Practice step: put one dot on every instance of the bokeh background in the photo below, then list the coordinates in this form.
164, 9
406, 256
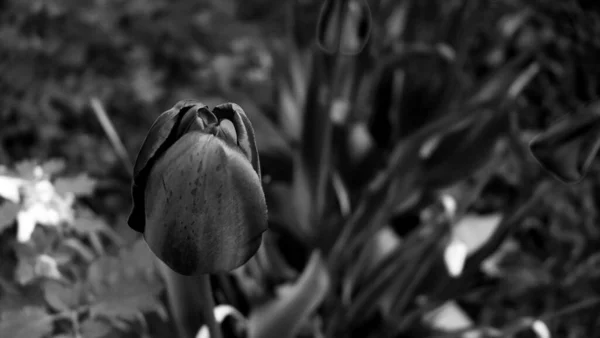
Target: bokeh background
378, 238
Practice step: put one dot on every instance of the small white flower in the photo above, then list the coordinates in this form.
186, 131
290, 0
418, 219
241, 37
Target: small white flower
26, 223
455, 256
540, 328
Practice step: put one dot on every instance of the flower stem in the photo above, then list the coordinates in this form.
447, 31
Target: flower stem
191, 302
208, 306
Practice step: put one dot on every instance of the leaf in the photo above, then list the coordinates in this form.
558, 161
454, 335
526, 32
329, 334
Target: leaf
96, 329
272, 260
344, 26
29, 170
89, 224
498, 83
269, 139
459, 151
312, 161
126, 286
568, 148
8, 214
282, 317
29, 322
80, 185
64, 297
54, 166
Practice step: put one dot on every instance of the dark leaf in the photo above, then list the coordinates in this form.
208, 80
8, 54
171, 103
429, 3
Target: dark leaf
498, 83
344, 26
458, 152
313, 160
568, 148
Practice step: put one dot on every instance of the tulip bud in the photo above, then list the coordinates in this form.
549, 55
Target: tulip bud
197, 193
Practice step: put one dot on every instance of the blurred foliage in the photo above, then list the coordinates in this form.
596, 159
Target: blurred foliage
402, 197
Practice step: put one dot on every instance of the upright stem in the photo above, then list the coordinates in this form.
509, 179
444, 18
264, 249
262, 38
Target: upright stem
208, 306
191, 302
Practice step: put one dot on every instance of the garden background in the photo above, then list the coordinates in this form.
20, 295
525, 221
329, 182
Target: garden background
403, 198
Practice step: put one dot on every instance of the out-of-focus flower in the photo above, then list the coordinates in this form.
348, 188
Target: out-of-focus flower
41, 204
197, 192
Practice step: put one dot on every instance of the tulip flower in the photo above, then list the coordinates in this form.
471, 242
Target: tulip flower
197, 193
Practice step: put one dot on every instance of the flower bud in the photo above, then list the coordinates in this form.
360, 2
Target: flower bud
197, 191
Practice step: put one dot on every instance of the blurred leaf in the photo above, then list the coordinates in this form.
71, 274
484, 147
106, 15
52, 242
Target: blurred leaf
404, 85
459, 151
344, 26
272, 260
126, 286
384, 243
54, 166
64, 297
381, 287
313, 160
497, 84
568, 148
282, 317
269, 139
28, 322
80, 185
8, 214
97, 329
29, 170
